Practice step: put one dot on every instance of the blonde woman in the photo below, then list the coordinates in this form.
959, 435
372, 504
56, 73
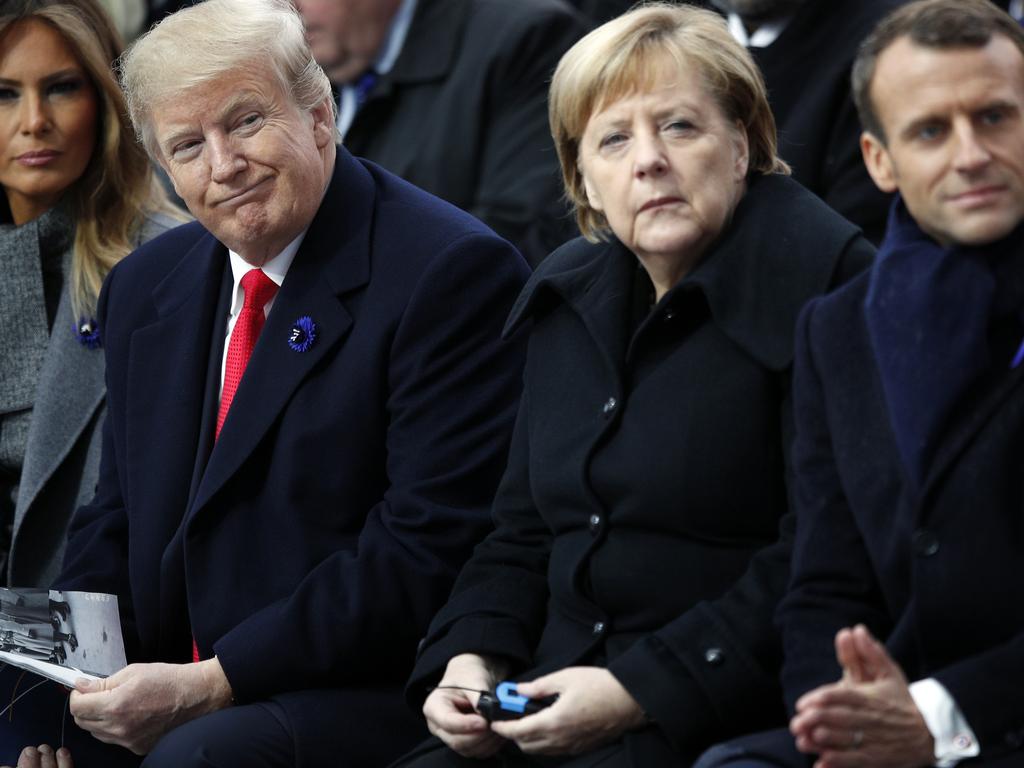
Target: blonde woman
637, 556
78, 194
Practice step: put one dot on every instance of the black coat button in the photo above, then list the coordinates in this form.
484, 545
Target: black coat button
609, 406
594, 523
598, 627
714, 656
926, 543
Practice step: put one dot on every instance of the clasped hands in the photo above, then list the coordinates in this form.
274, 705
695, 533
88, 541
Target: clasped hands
868, 718
592, 709
135, 707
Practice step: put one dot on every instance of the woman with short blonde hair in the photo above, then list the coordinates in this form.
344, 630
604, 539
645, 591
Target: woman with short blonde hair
627, 592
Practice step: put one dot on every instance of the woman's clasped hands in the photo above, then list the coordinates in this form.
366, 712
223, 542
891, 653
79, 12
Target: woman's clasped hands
592, 709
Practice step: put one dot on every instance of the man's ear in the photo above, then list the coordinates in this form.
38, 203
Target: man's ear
878, 162
323, 123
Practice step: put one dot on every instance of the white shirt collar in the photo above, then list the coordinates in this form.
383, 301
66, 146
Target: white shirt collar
276, 269
395, 39
765, 35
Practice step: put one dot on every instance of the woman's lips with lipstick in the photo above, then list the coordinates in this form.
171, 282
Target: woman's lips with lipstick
38, 157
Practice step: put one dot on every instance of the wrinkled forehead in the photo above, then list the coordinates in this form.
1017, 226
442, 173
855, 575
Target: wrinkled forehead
214, 101
648, 70
911, 78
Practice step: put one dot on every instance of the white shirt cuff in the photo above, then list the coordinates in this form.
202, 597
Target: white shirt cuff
954, 739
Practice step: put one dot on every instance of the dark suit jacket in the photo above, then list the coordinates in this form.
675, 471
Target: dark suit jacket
349, 481
463, 114
938, 574
647, 468
807, 71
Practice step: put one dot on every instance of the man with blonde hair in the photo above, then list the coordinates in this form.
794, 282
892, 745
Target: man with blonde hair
309, 407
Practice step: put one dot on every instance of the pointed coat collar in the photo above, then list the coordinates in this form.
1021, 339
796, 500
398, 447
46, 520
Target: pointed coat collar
441, 22
70, 391
781, 248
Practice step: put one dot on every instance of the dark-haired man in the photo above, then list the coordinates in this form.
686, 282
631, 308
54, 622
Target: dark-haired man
909, 403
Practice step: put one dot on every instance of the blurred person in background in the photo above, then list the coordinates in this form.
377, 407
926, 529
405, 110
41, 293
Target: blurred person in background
805, 49
451, 96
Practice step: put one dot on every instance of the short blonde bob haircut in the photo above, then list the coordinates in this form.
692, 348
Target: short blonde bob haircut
109, 201
625, 56
202, 43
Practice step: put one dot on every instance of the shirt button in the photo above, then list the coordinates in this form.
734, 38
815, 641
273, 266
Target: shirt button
609, 407
598, 627
714, 657
926, 543
962, 742
594, 523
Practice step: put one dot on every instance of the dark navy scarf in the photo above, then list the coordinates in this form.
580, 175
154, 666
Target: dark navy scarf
928, 310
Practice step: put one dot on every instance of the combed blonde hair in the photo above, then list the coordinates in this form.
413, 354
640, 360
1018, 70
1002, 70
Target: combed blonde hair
202, 43
118, 188
626, 55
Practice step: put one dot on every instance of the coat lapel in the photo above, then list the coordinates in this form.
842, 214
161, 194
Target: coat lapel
70, 391
334, 259
428, 55
166, 373
966, 428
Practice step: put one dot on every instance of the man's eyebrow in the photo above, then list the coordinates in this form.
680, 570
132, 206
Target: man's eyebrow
915, 125
242, 100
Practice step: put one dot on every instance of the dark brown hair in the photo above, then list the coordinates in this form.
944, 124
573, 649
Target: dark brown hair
932, 24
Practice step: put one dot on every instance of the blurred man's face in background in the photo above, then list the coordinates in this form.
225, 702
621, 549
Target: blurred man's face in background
346, 35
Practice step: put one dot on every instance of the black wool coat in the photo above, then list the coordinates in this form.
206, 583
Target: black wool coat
638, 520
936, 573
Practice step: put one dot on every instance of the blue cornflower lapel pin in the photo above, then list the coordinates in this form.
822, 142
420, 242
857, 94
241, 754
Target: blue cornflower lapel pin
303, 334
87, 332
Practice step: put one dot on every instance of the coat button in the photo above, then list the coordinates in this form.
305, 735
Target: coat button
594, 523
714, 656
598, 627
926, 543
609, 406
668, 315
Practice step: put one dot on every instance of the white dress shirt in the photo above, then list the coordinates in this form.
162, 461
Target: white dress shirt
954, 739
763, 36
276, 268
383, 64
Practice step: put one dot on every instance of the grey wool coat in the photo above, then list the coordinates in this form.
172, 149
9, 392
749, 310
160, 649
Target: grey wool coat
63, 451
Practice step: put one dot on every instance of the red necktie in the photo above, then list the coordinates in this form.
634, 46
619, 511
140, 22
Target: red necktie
259, 289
